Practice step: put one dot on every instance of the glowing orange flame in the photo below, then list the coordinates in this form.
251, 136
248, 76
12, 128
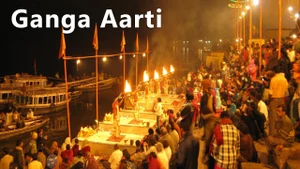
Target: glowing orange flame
146, 77
127, 87
164, 71
172, 69
156, 75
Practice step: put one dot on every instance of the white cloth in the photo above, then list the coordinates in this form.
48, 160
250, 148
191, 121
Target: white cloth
262, 107
67, 141
115, 159
5, 161
158, 109
291, 55
163, 160
168, 152
35, 164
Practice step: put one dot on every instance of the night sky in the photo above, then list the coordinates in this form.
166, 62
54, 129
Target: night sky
181, 20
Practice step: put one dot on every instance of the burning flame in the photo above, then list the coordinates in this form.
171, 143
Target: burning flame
172, 69
127, 87
156, 75
146, 77
164, 71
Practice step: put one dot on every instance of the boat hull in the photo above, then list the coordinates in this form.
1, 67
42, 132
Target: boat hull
41, 110
5, 135
102, 85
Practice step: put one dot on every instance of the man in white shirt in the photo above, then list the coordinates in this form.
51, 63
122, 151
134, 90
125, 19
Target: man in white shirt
115, 157
291, 53
6, 159
262, 107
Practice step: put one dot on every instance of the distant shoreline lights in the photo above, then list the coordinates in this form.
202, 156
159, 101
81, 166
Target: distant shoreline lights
20, 19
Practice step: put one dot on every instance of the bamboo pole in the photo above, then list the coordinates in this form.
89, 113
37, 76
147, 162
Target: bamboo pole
244, 30
250, 33
67, 96
97, 87
260, 35
279, 27
241, 31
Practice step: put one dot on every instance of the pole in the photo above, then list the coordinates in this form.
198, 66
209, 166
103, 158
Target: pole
124, 68
260, 36
136, 68
97, 87
279, 27
241, 31
250, 33
147, 53
67, 96
244, 30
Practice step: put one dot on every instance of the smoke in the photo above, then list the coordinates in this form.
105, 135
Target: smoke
188, 20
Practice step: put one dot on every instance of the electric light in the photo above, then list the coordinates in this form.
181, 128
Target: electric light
247, 7
243, 13
296, 15
255, 2
121, 57
144, 54
134, 56
294, 36
104, 59
290, 8
78, 61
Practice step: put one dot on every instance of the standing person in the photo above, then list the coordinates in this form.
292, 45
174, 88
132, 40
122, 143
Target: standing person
6, 159
225, 145
278, 88
189, 109
41, 140
188, 149
18, 155
159, 111
32, 161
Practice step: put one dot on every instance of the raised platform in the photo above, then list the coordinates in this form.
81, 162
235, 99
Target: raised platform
102, 142
129, 125
142, 114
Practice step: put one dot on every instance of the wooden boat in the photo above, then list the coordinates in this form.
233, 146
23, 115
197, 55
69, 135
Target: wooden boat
75, 94
19, 82
77, 82
42, 101
103, 85
30, 126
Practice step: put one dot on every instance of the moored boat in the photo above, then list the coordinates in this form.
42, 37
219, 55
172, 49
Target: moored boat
103, 85
42, 101
30, 126
77, 82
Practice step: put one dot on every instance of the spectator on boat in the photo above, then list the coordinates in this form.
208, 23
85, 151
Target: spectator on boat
32, 161
2, 116
33, 145
16, 115
6, 159
30, 114
18, 155
20, 122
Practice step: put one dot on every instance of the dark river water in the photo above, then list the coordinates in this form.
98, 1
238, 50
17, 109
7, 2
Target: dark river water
80, 116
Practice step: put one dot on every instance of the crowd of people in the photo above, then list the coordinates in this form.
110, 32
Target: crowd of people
236, 103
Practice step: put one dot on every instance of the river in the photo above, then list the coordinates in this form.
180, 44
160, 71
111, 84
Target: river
80, 116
